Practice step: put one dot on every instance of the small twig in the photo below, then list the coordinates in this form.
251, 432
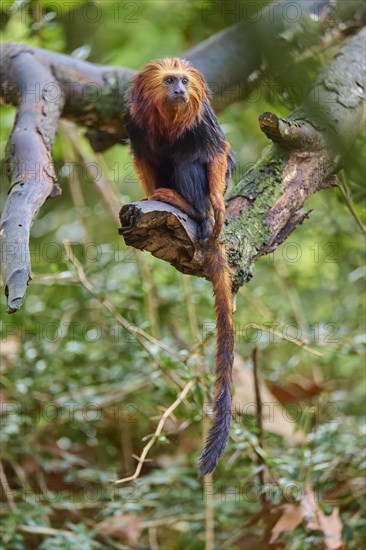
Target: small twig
297, 341
312, 444
258, 401
153, 538
140, 334
76, 192
102, 183
116, 545
209, 498
6, 487
150, 293
107, 393
265, 312
82, 279
349, 204
48, 531
191, 310
110, 197
292, 294
156, 434
256, 303
135, 331
209, 514
199, 345
253, 444
162, 522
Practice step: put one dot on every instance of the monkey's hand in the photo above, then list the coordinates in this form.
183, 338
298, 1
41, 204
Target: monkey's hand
218, 206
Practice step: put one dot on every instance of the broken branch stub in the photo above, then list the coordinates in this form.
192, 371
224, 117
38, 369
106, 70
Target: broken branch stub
166, 232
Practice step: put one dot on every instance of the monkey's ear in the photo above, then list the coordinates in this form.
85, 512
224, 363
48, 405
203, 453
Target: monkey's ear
134, 91
208, 91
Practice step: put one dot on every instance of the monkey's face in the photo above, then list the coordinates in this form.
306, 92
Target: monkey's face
167, 93
176, 88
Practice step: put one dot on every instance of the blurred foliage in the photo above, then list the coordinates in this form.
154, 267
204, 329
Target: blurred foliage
81, 396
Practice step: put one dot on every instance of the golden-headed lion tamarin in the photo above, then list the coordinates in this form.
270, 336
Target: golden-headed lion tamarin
182, 158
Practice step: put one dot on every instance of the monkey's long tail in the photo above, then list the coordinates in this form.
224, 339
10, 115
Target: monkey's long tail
218, 434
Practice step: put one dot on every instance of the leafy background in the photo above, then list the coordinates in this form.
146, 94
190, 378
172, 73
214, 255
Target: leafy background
81, 396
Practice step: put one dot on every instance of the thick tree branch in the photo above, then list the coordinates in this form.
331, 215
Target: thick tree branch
30, 170
93, 95
44, 86
265, 206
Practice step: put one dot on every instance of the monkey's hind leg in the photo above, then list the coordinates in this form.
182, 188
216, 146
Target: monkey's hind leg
175, 199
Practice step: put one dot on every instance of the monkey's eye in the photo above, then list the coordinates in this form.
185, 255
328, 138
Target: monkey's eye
168, 80
185, 81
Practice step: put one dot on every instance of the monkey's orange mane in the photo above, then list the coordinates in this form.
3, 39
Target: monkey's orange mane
147, 102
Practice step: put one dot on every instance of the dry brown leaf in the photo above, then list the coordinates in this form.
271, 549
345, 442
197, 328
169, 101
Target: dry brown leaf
309, 512
126, 527
332, 529
297, 390
275, 418
290, 518
330, 526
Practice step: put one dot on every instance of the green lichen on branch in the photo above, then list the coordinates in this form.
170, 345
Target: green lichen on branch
263, 178
259, 188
